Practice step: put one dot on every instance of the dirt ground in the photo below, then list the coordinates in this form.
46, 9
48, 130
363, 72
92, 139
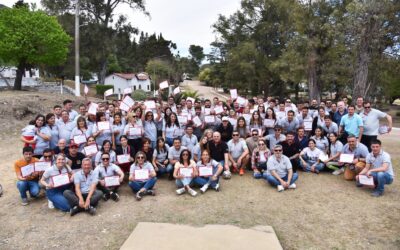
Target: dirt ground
325, 212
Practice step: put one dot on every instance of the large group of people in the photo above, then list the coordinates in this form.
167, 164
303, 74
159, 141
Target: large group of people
80, 158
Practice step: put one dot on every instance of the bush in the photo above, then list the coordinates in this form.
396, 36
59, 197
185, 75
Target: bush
100, 89
139, 95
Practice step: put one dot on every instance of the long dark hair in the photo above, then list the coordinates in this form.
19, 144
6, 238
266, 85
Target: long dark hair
40, 116
181, 156
168, 124
48, 117
159, 139
104, 143
273, 114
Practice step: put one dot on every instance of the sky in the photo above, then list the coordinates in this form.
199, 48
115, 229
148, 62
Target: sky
185, 22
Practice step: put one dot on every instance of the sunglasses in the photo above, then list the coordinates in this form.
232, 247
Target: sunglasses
278, 150
105, 159
140, 157
367, 107
235, 135
254, 134
47, 156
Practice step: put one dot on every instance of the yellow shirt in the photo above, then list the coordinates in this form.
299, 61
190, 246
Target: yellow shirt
22, 163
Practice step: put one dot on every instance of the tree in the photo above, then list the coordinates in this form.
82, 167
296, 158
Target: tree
31, 38
159, 70
197, 54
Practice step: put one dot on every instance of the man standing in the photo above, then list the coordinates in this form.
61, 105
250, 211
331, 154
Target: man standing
379, 166
238, 153
359, 105
219, 152
65, 127
68, 107
290, 123
341, 111
291, 149
74, 158
351, 124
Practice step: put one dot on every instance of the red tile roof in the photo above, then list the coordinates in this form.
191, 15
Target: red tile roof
130, 76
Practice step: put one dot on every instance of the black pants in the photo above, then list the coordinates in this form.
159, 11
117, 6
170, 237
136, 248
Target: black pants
107, 190
136, 144
73, 199
367, 139
295, 164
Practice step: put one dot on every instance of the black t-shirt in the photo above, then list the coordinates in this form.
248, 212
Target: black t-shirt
76, 161
217, 151
290, 150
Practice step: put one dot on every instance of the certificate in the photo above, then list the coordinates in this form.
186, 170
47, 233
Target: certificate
383, 130
209, 119
164, 85
247, 117
111, 181
186, 172
207, 111
79, 139
280, 115
123, 159
177, 90
90, 150
128, 101
205, 171
233, 93
150, 104
27, 170
123, 106
232, 121
103, 125
133, 131
218, 109
197, 121
323, 157
241, 100
346, 158
365, 180
41, 166
60, 180
182, 119
307, 125
142, 174
93, 108
127, 91
269, 123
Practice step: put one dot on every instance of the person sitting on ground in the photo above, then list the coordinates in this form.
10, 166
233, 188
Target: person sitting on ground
48, 156
125, 149
219, 152
335, 149
321, 142
279, 170
208, 181
55, 193
379, 166
142, 186
27, 183
106, 148
183, 182
61, 147
174, 154
85, 197
291, 149
259, 159
160, 157
238, 153
359, 152
108, 169
309, 158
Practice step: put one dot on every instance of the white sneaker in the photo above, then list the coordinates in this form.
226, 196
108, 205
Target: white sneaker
50, 204
338, 172
280, 188
293, 186
180, 191
217, 187
204, 188
192, 192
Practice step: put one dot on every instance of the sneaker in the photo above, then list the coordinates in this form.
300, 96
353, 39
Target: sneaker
377, 193
217, 187
114, 196
139, 196
338, 172
316, 171
151, 192
192, 192
234, 170
106, 197
50, 204
74, 210
24, 201
204, 188
280, 188
241, 171
358, 184
292, 186
180, 191
92, 210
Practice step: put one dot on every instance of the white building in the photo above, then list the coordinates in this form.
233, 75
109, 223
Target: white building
121, 81
8, 74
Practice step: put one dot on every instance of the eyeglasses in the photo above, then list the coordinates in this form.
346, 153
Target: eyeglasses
278, 150
47, 156
105, 159
235, 135
254, 134
367, 107
140, 157
134, 116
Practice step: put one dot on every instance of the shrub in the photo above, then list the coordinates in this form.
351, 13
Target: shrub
100, 89
139, 95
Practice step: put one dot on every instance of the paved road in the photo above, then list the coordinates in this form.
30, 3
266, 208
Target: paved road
204, 91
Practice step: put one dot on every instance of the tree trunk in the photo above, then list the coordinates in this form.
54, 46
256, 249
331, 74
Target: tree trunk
313, 86
103, 72
20, 73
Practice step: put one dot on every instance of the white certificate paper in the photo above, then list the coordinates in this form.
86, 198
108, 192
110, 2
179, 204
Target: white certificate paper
205, 171
79, 139
93, 108
269, 123
209, 119
90, 150
346, 158
323, 157
41, 166
123, 159
233, 93
307, 125
103, 125
177, 90
186, 172
135, 131
27, 170
128, 101
150, 104
123, 106
241, 100
111, 181
142, 174
60, 180
182, 119
207, 111
365, 180
164, 85
218, 109
197, 121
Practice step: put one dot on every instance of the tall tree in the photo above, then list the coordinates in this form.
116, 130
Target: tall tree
197, 53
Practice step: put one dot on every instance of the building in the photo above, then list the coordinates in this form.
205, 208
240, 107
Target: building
121, 81
8, 75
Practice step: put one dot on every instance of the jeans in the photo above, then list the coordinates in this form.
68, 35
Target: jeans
56, 196
381, 178
153, 144
274, 182
201, 181
183, 182
307, 167
169, 141
262, 168
31, 186
73, 199
137, 185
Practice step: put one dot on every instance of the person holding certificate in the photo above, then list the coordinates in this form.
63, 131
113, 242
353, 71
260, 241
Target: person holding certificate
150, 127
80, 133
171, 129
309, 158
353, 157
105, 170
335, 149
27, 178
256, 123
125, 154
142, 176
241, 127
102, 130
259, 159
379, 168
56, 180
85, 197
160, 157
118, 126
134, 131
106, 148
209, 171
270, 121
174, 154
184, 172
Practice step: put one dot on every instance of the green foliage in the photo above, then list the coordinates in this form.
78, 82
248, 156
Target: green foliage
100, 89
197, 54
159, 70
139, 95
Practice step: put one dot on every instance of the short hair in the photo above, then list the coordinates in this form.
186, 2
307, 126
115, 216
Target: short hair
328, 117
277, 146
65, 102
376, 141
87, 159
352, 106
27, 149
290, 133
123, 136
105, 153
278, 127
145, 139
312, 141
189, 126
47, 150
351, 136
57, 106
177, 139
291, 111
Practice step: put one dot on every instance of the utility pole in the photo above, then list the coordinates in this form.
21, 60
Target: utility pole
77, 73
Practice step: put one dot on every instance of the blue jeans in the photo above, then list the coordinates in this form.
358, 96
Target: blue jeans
169, 141
56, 196
201, 181
31, 186
261, 167
307, 167
274, 182
137, 185
183, 182
381, 178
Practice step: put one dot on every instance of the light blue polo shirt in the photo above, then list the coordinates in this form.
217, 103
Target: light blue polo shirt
85, 181
371, 121
351, 124
361, 151
377, 161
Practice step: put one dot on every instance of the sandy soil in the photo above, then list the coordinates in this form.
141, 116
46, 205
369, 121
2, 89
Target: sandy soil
325, 212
